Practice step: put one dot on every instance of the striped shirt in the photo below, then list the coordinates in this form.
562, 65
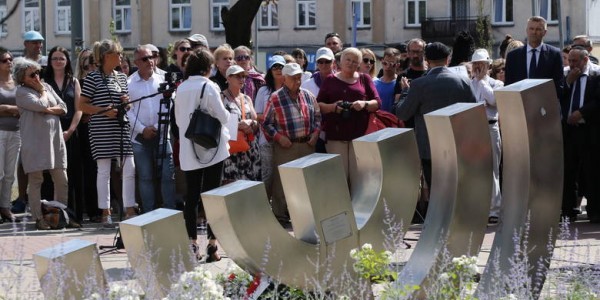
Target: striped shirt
108, 139
292, 118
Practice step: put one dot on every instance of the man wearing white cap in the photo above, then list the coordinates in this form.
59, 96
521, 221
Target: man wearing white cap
483, 88
324, 59
292, 120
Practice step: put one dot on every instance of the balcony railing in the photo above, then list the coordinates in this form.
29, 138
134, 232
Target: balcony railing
445, 29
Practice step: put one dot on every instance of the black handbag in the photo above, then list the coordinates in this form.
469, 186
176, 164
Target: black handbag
204, 129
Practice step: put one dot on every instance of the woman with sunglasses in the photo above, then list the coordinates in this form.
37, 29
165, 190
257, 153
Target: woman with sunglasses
274, 81
43, 145
254, 80
10, 138
346, 99
103, 93
180, 48
367, 64
59, 75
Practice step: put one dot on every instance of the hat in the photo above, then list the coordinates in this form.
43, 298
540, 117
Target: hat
436, 51
325, 53
292, 69
32, 36
198, 39
481, 55
234, 69
152, 48
276, 59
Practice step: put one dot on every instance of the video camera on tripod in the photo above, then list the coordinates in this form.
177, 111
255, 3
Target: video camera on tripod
172, 80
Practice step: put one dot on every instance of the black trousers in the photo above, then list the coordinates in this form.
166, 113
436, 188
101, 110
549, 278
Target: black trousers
578, 165
198, 181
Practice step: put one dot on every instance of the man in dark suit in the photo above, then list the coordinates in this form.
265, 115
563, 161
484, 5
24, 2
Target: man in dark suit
439, 88
536, 59
580, 107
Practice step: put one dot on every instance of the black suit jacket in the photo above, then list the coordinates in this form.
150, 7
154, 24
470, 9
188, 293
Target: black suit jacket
591, 100
549, 66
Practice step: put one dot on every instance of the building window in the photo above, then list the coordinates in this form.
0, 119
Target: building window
415, 12
31, 15
503, 12
181, 15
216, 23
549, 10
362, 9
63, 17
268, 16
3, 12
122, 15
306, 13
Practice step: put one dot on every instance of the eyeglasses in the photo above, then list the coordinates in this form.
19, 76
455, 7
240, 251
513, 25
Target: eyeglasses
323, 62
368, 61
59, 58
6, 60
387, 63
185, 49
277, 67
36, 73
146, 58
242, 57
332, 34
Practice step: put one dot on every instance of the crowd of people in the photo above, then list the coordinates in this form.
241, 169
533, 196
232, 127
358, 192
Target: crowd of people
96, 127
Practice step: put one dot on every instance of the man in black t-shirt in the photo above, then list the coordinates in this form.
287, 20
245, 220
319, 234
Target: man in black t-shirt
417, 67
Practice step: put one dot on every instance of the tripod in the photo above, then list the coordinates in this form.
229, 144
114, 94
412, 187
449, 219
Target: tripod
115, 247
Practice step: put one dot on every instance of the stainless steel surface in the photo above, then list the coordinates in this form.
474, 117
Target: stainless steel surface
460, 192
71, 265
388, 170
154, 241
533, 174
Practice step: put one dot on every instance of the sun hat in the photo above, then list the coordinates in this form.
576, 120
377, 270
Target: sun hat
292, 69
481, 55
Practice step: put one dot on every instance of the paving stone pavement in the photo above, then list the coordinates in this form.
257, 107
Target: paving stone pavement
18, 279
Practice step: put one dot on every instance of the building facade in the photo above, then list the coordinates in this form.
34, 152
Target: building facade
288, 24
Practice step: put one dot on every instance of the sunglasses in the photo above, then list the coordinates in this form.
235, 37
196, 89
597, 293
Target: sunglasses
242, 57
332, 34
368, 61
277, 67
147, 58
6, 60
185, 49
239, 76
36, 73
386, 63
323, 62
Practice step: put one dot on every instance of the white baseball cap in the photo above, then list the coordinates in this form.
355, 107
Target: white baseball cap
234, 69
292, 69
325, 53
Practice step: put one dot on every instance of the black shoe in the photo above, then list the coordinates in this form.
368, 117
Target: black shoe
285, 224
211, 252
493, 220
18, 206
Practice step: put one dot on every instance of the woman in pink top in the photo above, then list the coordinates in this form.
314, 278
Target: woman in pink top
345, 100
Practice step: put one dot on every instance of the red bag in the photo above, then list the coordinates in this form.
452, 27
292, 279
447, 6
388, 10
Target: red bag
241, 143
381, 119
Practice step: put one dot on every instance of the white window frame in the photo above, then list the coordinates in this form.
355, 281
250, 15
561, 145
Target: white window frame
272, 13
416, 11
62, 26
305, 5
3, 12
181, 7
218, 5
125, 11
546, 14
35, 22
361, 13
504, 12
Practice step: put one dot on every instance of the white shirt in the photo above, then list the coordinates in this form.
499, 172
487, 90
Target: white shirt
260, 102
484, 93
144, 113
186, 101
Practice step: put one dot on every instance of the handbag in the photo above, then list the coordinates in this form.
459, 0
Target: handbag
204, 129
381, 119
241, 143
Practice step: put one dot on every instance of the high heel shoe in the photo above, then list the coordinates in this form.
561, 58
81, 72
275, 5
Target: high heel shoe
211, 252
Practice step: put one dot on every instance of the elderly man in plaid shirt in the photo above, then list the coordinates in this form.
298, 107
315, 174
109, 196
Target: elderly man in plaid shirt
292, 122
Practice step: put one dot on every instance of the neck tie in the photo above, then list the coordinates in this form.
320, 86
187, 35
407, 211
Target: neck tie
532, 63
576, 95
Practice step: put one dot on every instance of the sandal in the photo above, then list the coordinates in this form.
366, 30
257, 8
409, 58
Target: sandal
211, 252
196, 251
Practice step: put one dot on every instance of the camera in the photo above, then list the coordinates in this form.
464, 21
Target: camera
345, 106
172, 79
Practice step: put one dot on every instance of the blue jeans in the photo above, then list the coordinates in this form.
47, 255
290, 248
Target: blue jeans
146, 161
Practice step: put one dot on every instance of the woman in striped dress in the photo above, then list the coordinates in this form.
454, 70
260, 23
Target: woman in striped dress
102, 91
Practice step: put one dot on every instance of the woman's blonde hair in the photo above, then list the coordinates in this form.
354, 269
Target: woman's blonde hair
103, 47
367, 51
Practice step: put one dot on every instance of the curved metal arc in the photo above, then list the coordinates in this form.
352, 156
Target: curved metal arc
388, 170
